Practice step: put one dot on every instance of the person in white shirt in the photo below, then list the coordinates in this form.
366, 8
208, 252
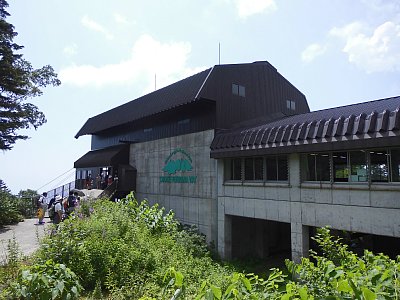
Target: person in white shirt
58, 210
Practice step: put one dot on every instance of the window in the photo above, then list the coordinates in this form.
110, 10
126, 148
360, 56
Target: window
395, 164
242, 91
277, 168
148, 130
290, 104
379, 165
184, 121
238, 90
233, 168
317, 167
253, 168
235, 89
282, 168
358, 166
340, 167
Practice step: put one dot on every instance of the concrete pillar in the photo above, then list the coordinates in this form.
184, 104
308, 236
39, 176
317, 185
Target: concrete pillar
225, 239
300, 241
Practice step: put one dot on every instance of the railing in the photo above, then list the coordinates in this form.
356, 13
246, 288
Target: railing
63, 190
109, 190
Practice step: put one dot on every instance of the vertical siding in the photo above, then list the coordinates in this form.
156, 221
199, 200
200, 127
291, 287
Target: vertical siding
266, 94
202, 117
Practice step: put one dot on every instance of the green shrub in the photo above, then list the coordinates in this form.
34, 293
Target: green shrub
9, 213
47, 281
125, 249
341, 274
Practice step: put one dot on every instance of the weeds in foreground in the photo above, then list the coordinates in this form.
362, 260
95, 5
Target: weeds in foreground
129, 250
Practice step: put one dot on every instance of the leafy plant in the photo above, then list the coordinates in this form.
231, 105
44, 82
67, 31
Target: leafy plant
47, 281
9, 209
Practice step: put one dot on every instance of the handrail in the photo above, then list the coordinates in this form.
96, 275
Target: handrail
109, 190
62, 190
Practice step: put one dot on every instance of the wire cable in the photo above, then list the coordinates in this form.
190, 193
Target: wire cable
54, 179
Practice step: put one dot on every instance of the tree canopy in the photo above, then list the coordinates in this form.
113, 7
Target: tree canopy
19, 81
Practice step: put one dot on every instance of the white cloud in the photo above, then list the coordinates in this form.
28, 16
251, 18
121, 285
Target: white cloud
312, 51
246, 8
93, 25
70, 50
378, 51
120, 19
148, 57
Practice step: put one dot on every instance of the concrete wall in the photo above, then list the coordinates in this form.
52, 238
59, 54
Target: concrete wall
193, 203
371, 209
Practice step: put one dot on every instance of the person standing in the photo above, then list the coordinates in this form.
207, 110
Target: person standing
70, 203
58, 210
42, 207
98, 181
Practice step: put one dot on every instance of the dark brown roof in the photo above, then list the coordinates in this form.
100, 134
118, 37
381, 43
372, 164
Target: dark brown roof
351, 124
110, 156
179, 93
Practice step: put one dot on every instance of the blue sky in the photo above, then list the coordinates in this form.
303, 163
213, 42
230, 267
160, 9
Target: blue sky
106, 53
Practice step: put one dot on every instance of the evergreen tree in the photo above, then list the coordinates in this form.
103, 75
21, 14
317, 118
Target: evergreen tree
19, 81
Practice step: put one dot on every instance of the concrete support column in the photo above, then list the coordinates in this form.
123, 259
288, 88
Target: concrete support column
225, 237
300, 241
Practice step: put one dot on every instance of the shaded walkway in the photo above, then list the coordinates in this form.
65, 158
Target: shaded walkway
26, 234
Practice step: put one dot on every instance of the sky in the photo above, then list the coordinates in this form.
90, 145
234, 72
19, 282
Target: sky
106, 53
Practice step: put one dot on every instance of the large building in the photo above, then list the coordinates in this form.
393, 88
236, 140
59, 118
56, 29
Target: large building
236, 151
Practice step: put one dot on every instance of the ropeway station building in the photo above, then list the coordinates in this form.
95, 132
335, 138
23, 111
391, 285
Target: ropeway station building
236, 151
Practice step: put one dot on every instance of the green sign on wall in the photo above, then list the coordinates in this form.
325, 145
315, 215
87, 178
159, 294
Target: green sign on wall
176, 165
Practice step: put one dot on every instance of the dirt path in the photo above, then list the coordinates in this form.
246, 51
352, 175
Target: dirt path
26, 233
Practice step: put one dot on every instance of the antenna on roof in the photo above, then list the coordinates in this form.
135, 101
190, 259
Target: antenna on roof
155, 81
219, 53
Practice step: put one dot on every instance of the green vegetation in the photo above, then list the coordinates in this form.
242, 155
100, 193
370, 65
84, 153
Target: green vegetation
129, 250
14, 209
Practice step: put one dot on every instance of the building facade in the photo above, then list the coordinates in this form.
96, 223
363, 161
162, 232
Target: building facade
235, 151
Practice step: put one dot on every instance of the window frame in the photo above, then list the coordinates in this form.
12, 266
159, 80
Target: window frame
256, 162
238, 90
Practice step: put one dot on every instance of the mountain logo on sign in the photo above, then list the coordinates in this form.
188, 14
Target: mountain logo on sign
183, 164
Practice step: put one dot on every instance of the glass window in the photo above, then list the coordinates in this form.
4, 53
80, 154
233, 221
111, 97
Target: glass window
317, 167
290, 104
282, 167
233, 169
184, 122
238, 90
235, 89
395, 164
358, 166
248, 169
340, 167
242, 91
253, 168
379, 165
277, 168
271, 167
258, 168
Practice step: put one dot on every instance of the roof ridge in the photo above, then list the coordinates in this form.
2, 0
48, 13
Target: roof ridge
353, 104
204, 82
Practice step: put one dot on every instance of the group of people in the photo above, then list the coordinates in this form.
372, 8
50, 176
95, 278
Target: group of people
101, 181
58, 208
